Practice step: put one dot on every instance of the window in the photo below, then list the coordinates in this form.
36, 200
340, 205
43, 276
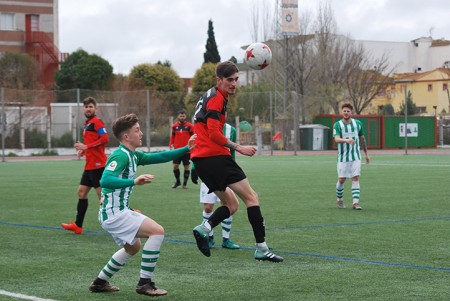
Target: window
444, 87
420, 110
430, 87
7, 21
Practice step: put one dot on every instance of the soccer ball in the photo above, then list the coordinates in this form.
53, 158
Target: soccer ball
258, 56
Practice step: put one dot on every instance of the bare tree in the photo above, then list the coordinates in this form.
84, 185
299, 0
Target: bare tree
331, 50
262, 21
324, 67
346, 70
303, 63
366, 77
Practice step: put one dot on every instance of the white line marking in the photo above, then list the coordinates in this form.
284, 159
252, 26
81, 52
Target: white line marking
21, 296
411, 164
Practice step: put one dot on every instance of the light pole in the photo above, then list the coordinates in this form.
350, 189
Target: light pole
405, 81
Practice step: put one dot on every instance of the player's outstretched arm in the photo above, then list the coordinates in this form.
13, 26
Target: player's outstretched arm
111, 181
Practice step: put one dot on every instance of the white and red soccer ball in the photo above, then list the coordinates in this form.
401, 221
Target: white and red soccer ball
258, 56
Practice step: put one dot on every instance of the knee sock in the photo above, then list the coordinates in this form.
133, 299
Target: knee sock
339, 191
176, 172
81, 212
355, 191
218, 216
257, 221
206, 216
150, 255
226, 227
115, 264
186, 177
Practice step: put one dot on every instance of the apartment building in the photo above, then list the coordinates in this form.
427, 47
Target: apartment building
429, 91
419, 55
31, 26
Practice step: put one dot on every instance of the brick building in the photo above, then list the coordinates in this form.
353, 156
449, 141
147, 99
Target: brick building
31, 26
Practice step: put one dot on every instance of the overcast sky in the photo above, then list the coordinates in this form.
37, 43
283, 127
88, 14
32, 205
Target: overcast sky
132, 32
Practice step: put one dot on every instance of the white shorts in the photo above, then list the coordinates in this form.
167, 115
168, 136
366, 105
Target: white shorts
349, 169
124, 226
207, 198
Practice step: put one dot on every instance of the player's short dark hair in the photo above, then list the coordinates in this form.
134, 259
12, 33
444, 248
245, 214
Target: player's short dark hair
181, 112
226, 69
123, 124
89, 100
347, 105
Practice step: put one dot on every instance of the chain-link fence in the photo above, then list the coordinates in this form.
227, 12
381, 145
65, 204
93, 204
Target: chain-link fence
54, 119
49, 120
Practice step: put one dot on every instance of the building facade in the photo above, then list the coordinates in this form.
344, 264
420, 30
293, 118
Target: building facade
419, 55
31, 26
429, 92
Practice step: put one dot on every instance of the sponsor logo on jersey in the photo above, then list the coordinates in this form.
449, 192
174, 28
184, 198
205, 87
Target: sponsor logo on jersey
112, 166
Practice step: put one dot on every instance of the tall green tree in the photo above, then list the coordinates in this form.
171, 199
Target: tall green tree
411, 106
84, 71
18, 71
212, 53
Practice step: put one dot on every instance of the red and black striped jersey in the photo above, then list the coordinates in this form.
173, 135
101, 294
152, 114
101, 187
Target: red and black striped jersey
209, 119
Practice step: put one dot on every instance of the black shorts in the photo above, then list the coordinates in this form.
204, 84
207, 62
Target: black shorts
185, 158
218, 172
91, 178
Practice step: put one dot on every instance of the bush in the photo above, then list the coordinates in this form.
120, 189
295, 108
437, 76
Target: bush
388, 110
47, 152
33, 139
65, 140
159, 137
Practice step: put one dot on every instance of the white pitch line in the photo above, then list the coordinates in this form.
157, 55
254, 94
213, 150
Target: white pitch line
21, 296
411, 164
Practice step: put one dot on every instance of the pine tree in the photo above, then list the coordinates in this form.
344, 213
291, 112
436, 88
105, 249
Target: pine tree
411, 106
212, 54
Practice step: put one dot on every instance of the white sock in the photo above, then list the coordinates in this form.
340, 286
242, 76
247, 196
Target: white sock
150, 255
226, 227
114, 265
262, 246
206, 215
355, 191
207, 226
339, 190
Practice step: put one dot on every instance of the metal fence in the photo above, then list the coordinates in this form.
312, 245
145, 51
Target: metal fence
45, 120
54, 119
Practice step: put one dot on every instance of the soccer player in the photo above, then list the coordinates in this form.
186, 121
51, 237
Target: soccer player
217, 169
182, 130
349, 135
115, 216
95, 139
209, 199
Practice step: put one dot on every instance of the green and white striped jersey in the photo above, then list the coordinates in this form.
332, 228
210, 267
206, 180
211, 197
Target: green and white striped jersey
118, 177
230, 132
348, 152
